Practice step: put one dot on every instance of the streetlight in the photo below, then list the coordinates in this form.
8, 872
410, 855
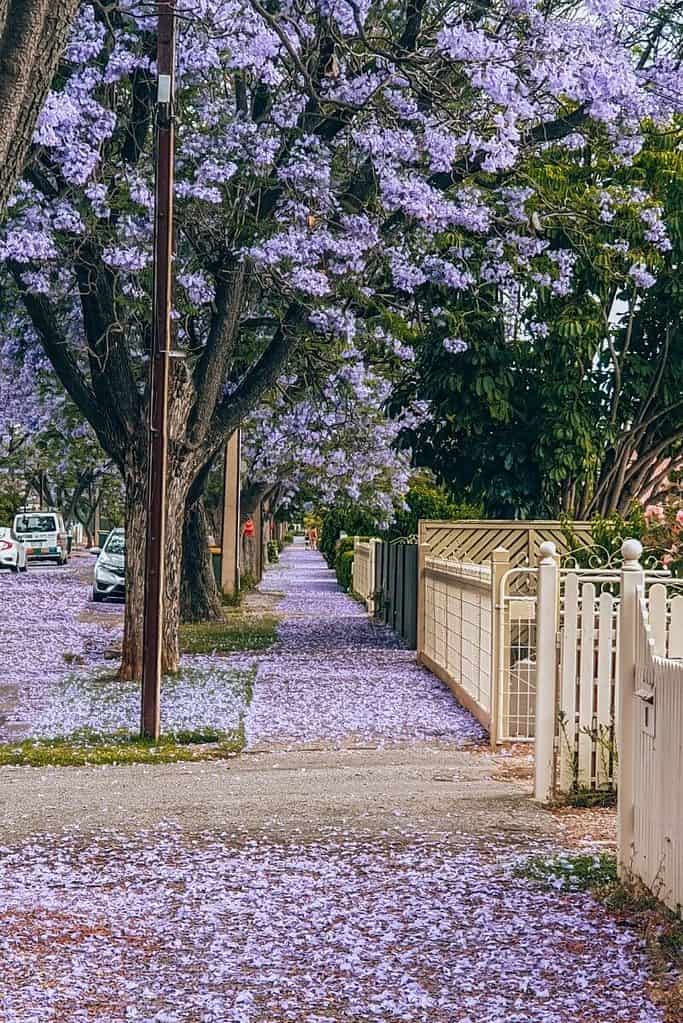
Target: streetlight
152, 630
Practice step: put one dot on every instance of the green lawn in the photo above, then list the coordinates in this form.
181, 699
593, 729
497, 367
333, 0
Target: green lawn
236, 632
86, 747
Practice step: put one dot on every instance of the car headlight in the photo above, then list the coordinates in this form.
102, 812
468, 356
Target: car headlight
105, 575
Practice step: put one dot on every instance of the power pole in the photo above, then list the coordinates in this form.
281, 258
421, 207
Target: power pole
230, 543
158, 378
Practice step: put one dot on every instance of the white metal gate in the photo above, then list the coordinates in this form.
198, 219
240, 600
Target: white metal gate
516, 648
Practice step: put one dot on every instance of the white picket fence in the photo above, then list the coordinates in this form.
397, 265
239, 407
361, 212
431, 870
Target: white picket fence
587, 687
650, 738
589, 664
619, 686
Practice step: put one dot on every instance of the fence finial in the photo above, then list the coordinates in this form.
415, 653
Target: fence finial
630, 552
547, 552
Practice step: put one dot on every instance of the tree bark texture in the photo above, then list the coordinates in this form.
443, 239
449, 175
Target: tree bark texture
200, 599
33, 34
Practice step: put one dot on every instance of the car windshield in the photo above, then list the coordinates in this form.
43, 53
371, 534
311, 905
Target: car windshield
36, 524
116, 544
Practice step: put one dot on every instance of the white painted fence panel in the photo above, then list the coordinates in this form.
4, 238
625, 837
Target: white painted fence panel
364, 554
655, 850
456, 634
588, 692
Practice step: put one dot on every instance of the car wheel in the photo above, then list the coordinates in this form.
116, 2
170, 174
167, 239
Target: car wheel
25, 568
97, 597
14, 568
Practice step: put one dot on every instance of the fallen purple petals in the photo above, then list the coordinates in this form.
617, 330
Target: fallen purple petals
336, 676
177, 928
56, 681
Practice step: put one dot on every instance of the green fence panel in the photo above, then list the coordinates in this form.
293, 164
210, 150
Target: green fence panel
397, 583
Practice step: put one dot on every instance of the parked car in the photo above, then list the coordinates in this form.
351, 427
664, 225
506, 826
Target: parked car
12, 550
44, 536
110, 568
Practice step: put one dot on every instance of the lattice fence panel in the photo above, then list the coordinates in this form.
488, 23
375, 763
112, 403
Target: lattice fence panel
475, 540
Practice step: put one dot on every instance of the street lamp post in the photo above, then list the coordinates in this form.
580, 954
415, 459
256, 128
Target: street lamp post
158, 374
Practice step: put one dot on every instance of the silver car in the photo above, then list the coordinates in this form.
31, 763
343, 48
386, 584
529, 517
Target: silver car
110, 568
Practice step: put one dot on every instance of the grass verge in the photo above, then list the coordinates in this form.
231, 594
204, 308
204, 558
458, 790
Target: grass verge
590, 798
634, 906
87, 748
578, 873
236, 632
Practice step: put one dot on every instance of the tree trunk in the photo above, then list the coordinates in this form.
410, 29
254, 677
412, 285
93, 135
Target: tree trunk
136, 536
32, 37
199, 595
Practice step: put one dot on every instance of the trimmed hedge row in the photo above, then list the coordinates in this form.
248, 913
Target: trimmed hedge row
343, 561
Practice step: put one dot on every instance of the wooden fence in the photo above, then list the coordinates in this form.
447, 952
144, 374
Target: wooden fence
619, 686
651, 814
396, 576
365, 571
476, 539
587, 662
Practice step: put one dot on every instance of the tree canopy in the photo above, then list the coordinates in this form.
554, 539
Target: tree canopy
336, 164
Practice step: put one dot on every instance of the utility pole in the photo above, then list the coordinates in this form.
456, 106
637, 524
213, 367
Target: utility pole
230, 542
158, 374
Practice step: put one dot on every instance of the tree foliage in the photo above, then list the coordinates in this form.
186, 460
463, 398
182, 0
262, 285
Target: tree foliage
567, 394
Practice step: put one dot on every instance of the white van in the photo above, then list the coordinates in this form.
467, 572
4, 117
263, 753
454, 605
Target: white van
44, 536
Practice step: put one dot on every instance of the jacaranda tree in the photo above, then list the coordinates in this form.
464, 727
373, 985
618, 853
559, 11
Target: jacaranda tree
33, 34
333, 158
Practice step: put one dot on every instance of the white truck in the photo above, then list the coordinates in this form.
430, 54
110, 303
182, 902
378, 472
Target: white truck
44, 536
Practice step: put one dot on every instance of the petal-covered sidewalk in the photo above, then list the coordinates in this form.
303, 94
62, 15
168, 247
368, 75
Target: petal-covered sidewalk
337, 677
165, 929
382, 883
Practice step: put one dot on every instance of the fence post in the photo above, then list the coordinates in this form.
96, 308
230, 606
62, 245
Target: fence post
500, 563
547, 609
371, 602
632, 581
422, 553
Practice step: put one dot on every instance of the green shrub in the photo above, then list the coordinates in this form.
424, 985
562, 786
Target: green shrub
342, 519
427, 500
346, 543
273, 551
344, 569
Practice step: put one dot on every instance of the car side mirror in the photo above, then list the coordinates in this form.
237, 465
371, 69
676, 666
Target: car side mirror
95, 550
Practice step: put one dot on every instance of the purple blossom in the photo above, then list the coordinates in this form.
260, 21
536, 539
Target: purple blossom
642, 277
455, 345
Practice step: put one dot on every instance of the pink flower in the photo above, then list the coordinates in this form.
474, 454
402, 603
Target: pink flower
654, 511
667, 559
679, 517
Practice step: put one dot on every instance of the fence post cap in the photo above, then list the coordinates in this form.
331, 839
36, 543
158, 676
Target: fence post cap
547, 551
630, 552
